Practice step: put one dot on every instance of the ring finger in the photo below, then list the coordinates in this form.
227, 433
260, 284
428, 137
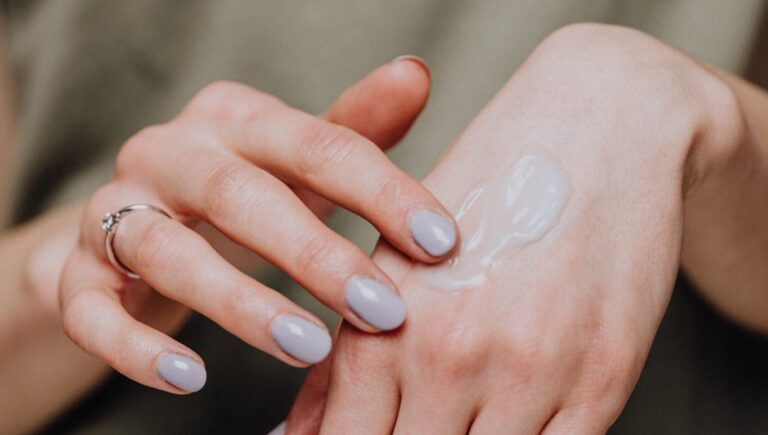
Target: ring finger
181, 265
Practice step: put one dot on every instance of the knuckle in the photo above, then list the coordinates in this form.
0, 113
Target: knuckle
319, 253
602, 414
323, 148
140, 149
227, 100
225, 186
608, 377
359, 352
523, 358
455, 350
239, 308
216, 94
391, 191
591, 418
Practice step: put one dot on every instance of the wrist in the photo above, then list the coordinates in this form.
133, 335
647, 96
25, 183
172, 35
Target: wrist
654, 114
718, 142
724, 244
619, 109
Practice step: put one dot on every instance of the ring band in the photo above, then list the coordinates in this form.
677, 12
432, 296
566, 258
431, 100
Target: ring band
110, 223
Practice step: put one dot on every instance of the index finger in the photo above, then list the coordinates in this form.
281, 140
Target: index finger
349, 170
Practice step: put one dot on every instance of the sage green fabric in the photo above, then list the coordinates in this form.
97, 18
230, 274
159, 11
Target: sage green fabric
90, 73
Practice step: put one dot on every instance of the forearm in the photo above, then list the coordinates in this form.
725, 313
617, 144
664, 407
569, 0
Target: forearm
41, 370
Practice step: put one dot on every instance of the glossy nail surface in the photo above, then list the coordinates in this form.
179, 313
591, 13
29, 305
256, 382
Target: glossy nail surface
375, 303
301, 338
182, 372
433, 232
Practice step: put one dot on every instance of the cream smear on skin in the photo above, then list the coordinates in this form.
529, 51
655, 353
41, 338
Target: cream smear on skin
499, 217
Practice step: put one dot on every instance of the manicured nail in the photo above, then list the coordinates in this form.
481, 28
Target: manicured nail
182, 372
279, 430
413, 58
433, 232
375, 303
301, 338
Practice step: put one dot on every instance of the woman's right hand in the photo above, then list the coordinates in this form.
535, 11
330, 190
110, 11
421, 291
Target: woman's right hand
249, 165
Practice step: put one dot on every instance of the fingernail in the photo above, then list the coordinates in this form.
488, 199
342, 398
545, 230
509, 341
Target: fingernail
419, 60
301, 338
433, 232
375, 303
182, 372
279, 430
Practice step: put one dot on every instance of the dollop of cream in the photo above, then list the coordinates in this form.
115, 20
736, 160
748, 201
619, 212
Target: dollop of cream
499, 217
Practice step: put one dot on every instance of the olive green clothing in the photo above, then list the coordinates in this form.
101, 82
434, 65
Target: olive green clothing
91, 73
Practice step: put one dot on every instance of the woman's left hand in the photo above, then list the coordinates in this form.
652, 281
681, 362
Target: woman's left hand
555, 339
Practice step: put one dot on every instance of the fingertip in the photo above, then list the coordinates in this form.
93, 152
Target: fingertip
377, 306
182, 372
97, 323
435, 233
304, 341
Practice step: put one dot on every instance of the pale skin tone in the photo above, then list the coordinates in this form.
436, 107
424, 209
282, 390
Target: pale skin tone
638, 199
375, 112
202, 166
669, 165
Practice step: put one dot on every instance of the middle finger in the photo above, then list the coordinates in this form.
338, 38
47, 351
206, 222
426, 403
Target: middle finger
342, 166
260, 212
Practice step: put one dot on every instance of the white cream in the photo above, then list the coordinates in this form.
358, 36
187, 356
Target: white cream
498, 218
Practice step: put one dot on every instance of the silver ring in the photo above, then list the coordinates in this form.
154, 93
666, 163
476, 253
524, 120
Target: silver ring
110, 223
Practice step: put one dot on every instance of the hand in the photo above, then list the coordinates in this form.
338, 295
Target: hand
229, 159
555, 337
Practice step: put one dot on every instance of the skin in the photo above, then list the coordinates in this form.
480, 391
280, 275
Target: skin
226, 160
461, 345
44, 371
668, 160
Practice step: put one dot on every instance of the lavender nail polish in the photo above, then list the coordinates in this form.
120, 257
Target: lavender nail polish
182, 372
301, 338
433, 232
375, 303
